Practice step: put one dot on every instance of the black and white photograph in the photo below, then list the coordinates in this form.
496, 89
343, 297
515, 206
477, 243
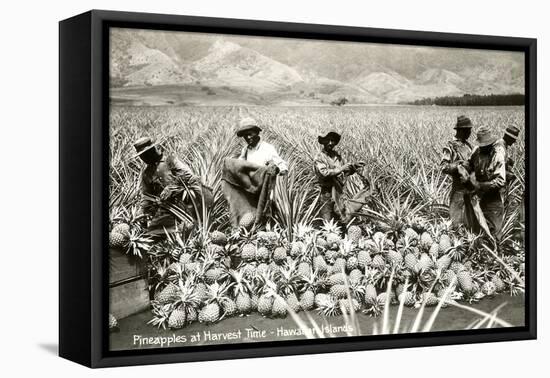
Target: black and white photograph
268, 189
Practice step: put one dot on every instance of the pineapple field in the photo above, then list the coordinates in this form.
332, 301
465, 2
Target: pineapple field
398, 258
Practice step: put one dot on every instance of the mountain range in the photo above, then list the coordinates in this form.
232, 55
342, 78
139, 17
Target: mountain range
155, 67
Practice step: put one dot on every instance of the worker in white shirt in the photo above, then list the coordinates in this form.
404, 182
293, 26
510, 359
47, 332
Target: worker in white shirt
257, 151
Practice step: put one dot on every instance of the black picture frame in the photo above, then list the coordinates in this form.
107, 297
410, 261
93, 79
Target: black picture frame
83, 154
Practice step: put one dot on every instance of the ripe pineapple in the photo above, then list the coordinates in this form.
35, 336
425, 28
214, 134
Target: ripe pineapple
363, 258
304, 269
425, 262
407, 298
177, 318
429, 299
307, 300
426, 241
499, 284
185, 258
336, 279
279, 255
228, 306
262, 254
265, 304
279, 307
248, 252
394, 258
122, 228
456, 267
339, 265
243, 303
410, 261
168, 294
218, 238
339, 291
378, 262
355, 233
247, 220
465, 281
321, 242
213, 274
319, 264
113, 323
434, 250
254, 302
209, 313
117, 240
293, 302
444, 244
355, 276
443, 263
297, 248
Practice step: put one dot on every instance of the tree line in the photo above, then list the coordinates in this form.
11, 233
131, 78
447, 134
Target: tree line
473, 100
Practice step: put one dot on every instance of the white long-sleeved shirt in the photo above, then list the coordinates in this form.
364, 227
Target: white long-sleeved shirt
263, 154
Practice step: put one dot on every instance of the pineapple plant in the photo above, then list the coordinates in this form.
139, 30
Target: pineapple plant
241, 290
331, 231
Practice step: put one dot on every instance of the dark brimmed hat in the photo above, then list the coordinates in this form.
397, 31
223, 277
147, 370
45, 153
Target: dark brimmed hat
463, 122
512, 132
485, 136
247, 124
143, 144
330, 135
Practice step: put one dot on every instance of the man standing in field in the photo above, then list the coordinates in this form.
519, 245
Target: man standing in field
508, 140
257, 151
249, 180
488, 167
331, 172
455, 155
168, 182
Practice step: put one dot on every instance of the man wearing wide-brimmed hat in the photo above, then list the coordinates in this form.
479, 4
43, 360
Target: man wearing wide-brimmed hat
456, 154
163, 183
509, 138
488, 167
331, 172
256, 150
